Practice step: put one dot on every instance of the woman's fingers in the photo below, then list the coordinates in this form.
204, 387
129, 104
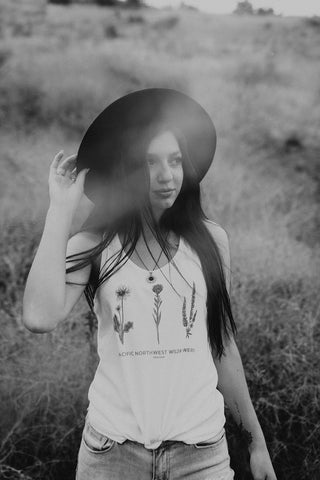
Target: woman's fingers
67, 162
60, 166
57, 159
82, 175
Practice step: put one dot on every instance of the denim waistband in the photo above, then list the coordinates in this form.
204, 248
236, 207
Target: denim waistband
165, 443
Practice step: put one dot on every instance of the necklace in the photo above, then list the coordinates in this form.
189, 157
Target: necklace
151, 278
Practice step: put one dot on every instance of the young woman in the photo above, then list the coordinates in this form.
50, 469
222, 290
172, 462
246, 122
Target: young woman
168, 357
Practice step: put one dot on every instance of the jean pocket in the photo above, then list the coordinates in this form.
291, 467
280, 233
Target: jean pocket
211, 443
94, 441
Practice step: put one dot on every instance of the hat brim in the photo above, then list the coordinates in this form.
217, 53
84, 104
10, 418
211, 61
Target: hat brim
138, 109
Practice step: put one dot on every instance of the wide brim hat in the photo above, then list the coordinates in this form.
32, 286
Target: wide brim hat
136, 110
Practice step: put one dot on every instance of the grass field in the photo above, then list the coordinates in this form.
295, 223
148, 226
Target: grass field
259, 79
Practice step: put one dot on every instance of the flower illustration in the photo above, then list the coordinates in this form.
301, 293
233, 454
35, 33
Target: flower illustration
184, 313
127, 326
157, 289
122, 292
188, 323
118, 323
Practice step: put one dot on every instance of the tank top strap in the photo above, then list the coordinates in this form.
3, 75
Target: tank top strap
185, 248
114, 247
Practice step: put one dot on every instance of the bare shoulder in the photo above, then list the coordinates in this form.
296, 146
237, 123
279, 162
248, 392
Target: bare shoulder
221, 238
82, 241
218, 233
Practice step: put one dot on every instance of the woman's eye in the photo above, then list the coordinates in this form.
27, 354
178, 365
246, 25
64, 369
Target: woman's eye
177, 160
174, 160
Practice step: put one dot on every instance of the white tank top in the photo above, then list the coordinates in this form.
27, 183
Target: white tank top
156, 379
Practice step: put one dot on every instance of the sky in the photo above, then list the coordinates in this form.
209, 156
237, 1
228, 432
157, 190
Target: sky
284, 7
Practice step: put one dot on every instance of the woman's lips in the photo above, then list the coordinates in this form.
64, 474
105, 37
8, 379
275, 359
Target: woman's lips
164, 193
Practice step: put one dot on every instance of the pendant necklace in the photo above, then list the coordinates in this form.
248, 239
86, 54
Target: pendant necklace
151, 278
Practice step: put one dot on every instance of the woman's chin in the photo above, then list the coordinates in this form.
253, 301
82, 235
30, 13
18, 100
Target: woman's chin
164, 204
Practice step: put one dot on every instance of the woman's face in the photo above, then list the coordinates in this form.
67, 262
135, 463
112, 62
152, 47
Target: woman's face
164, 159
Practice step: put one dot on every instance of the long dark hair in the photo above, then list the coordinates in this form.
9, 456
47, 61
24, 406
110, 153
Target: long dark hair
185, 218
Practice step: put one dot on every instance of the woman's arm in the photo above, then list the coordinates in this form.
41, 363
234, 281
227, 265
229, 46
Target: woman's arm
233, 386
45, 292
44, 300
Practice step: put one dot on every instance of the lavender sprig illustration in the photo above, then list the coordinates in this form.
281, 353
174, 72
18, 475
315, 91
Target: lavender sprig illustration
119, 326
157, 289
188, 323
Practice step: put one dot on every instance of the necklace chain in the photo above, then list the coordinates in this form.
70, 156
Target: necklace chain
154, 279
151, 278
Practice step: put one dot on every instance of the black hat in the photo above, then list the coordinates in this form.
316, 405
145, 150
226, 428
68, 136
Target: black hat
138, 110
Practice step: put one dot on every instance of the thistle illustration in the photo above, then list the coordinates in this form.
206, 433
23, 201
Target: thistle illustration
157, 289
188, 323
118, 319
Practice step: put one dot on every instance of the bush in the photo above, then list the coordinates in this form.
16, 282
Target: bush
244, 8
136, 19
106, 3
166, 23
265, 11
134, 3
60, 2
5, 54
313, 21
20, 104
110, 31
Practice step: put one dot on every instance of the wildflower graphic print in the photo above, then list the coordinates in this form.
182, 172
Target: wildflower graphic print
188, 322
122, 327
118, 318
157, 289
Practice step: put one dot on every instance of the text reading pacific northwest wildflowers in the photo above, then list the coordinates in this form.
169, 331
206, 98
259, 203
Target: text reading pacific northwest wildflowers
139, 353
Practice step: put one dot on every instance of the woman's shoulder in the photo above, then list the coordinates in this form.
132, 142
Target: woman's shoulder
221, 238
215, 227
218, 232
86, 239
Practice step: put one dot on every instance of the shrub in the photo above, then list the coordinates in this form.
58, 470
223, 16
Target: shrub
110, 31
136, 19
20, 104
134, 3
244, 8
313, 21
60, 2
106, 3
265, 11
166, 23
5, 54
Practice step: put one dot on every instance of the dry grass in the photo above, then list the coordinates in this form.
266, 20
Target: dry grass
259, 80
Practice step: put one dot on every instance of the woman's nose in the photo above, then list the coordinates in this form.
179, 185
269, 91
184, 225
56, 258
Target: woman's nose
165, 173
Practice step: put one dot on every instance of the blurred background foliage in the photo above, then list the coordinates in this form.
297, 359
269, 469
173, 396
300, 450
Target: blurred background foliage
258, 77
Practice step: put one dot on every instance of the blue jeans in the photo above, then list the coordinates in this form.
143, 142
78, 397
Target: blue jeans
101, 458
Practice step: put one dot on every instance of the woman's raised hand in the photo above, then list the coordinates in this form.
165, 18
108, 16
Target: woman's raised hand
65, 186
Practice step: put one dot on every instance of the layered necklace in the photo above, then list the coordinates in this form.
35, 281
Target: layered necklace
151, 277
